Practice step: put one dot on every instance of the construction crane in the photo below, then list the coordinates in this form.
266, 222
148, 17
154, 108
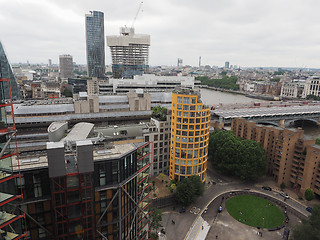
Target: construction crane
140, 5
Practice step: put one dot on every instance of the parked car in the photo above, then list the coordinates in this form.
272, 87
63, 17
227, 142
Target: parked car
182, 210
283, 194
309, 209
267, 188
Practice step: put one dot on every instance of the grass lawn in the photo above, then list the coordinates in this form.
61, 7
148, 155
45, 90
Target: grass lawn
255, 211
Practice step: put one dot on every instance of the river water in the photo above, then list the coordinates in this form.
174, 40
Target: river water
212, 97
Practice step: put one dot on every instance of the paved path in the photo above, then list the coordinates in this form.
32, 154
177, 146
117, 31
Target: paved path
187, 225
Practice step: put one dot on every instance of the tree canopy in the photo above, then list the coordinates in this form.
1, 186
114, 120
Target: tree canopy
188, 190
309, 229
159, 113
309, 194
156, 219
225, 82
234, 156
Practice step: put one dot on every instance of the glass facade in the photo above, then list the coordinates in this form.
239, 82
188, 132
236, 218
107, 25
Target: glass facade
189, 137
95, 44
6, 72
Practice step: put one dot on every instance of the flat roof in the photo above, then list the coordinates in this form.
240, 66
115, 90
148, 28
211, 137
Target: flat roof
80, 131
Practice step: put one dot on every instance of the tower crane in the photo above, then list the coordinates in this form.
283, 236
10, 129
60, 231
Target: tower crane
140, 5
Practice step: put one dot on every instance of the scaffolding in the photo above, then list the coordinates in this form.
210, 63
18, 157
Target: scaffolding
12, 219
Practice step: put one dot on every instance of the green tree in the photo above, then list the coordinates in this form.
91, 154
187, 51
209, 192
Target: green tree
159, 113
226, 82
309, 194
309, 229
234, 156
156, 216
67, 93
282, 185
276, 79
188, 190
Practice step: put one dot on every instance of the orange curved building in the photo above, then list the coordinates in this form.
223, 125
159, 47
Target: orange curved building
189, 136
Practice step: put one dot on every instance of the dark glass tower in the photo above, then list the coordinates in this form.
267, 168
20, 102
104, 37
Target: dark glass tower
6, 72
95, 44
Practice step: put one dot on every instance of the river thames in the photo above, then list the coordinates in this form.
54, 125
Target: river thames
215, 98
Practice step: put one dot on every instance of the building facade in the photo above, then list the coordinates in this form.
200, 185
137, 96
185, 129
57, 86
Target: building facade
189, 136
66, 66
95, 44
291, 157
129, 52
85, 190
7, 73
159, 135
311, 87
12, 218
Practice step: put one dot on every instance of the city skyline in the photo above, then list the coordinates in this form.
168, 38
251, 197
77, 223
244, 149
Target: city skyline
245, 33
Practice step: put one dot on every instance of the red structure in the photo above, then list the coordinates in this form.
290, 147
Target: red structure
12, 219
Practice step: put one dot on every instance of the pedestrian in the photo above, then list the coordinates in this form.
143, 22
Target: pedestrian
202, 227
216, 236
173, 222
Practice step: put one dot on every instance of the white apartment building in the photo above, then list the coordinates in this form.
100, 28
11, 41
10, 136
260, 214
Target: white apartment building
312, 86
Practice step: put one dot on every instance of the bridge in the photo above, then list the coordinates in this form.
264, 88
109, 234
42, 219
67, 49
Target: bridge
278, 116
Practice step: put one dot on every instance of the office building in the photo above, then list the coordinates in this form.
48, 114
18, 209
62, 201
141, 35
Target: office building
227, 65
292, 158
189, 135
129, 52
85, 187
6, 72
12, 218
95, 44
66, 66
159, 135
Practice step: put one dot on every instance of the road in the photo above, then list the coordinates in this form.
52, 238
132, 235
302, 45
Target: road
190, 222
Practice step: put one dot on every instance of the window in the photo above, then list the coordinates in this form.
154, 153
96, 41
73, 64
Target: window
193, 100
183, 154
198, 107
186, 107
179, 99
185, 114
179, 107
186, 100
179, 113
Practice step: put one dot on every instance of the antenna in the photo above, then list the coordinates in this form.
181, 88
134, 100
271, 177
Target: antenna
135, 18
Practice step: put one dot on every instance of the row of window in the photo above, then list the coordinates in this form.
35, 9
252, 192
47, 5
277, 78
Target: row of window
190, 127
188, 170
197, 153
192, 120
190, 162
190, 146
187, 100
191, 139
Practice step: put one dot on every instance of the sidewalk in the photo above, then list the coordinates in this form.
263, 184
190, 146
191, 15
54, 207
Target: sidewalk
199, 230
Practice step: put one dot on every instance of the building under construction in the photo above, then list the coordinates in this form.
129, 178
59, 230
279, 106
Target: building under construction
129, 52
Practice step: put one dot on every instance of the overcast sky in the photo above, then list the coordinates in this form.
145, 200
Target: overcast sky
284, 33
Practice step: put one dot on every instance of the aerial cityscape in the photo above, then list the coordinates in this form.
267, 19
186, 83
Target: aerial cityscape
159, 120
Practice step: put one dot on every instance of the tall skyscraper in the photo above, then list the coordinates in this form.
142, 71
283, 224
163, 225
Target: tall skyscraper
189, 136
6, 72
129, 52
95, 44
227, 65
66, 66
